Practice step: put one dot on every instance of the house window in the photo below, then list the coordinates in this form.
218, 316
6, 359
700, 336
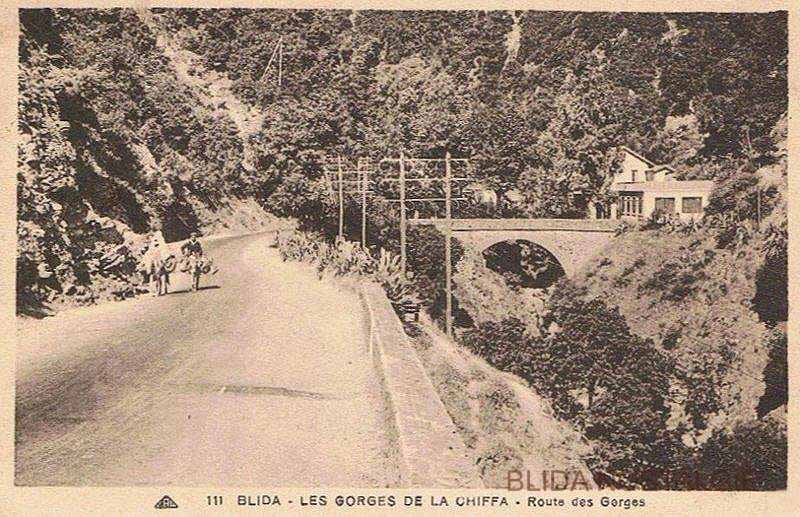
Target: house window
665, 205
648, 175
692, 205
631, 205
633, 175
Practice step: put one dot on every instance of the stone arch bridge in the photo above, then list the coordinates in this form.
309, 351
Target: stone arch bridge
573, 242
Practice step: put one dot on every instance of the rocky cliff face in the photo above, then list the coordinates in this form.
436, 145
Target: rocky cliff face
121, 133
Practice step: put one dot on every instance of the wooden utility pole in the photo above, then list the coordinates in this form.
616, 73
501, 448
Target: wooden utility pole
341, 197
280, 60
402, 213
448, 262
448, 229
364, 181
358, 185
758, 206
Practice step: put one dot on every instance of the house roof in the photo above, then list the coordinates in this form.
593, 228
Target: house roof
703, 186
656, 168
637, 155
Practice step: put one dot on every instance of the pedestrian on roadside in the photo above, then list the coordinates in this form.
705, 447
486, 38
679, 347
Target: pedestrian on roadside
154, 265
193, 252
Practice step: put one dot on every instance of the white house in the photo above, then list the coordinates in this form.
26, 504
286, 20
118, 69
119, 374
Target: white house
642, 186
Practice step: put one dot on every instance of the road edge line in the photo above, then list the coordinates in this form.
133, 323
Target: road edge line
432, 452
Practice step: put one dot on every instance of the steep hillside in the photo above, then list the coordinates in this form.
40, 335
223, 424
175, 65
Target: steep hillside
539, 100
173, 117
669, 350
116, 141
713, 297
212, 87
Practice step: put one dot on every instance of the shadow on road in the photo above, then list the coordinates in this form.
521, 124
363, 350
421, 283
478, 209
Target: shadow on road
237, 389
185, 291
33, 309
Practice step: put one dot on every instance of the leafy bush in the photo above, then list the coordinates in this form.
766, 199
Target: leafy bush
751, 457
503, 344
296, 246
351, 258
390, 275
675, 280
346, 258
425, 271
738, 193
730, 231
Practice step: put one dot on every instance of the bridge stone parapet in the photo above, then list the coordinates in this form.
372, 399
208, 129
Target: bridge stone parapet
573, 242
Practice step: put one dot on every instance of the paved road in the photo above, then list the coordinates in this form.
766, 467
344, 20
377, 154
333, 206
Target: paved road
263, 380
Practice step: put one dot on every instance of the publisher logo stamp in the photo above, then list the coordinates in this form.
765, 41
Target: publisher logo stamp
165, 503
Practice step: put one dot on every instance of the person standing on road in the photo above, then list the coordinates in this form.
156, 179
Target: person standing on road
193, 251
154, 263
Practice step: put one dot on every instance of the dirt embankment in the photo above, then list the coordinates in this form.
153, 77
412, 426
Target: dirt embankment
505, 425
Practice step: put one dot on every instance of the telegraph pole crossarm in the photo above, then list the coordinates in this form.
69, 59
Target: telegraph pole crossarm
360, 185
448, 199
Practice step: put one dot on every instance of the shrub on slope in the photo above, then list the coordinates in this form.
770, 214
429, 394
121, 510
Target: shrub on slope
112, 144
707, 296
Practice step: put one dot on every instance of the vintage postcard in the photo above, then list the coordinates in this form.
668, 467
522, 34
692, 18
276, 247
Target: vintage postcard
373, 258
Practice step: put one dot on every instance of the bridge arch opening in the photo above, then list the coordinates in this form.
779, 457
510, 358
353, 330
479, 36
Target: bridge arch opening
523, 263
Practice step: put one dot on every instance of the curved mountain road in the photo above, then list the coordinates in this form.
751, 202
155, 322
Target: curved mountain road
263, 379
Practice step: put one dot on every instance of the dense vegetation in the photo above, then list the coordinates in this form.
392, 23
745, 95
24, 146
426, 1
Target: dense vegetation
113, 121
546, 108
704, 306
113, 145
134, 120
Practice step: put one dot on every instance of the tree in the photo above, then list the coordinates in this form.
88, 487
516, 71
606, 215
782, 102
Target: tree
421, 108
730, 69
612, 383
751, 457
577, 150
499, 137
679, 141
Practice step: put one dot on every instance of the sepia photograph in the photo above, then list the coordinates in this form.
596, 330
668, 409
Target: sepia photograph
516, 251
